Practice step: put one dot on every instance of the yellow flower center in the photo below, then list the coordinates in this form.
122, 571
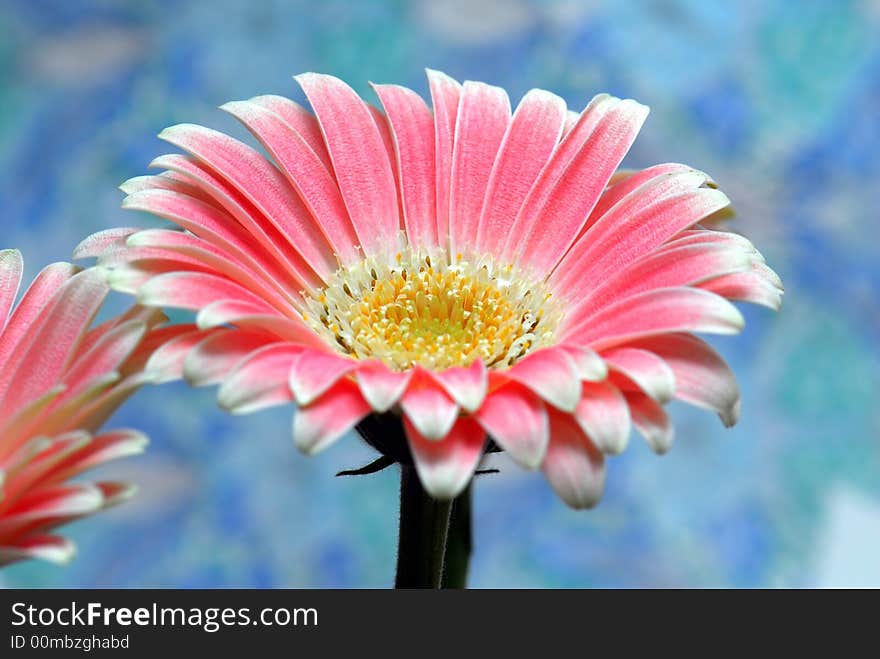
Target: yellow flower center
430, 310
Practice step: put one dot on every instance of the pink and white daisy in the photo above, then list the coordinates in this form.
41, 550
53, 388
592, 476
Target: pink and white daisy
478, 272
59, 382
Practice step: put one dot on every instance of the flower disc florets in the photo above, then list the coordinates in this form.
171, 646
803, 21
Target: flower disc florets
426, 309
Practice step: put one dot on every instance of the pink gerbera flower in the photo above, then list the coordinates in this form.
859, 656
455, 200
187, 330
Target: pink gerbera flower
59, 382
476, 272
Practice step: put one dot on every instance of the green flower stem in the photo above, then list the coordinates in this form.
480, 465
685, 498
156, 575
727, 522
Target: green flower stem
459, 543
424, 533
435, 541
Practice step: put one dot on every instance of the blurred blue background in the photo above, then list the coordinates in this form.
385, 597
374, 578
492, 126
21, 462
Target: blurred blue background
779, 101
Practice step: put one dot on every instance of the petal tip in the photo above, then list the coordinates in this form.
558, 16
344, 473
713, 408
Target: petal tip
730, 416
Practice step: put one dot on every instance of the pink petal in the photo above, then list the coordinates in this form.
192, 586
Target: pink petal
216, 260
29, 467
445, 96
381, 122
255, 317
214, 226
108, 446
618, 176
465, 385
305, 172
212, 359
552, 375
703, 236
483, 116
314, 372
38, 294
320, 424
61, 502
245, 212
645, 369
132, 276
127, 270
651, 420
587, 363
517, 420
154, 339
106, 355
16, 426
446, 466
10, 279
194, 290
58, 417
657, 312
51, 341
98, 243
166, 181
150, 317
412, 127
428, 407
702, 377
661, 208
530, 139
631, 181
748, 287
245, 172
262, 184
250, 317
762, 270
166, 363
574, 467
116, 493
360, 161
260, 380
228, 312
576, 136
571, 120
51, 548
679, 266
603, 415
301, 120
95, 413
380, 386
571, 184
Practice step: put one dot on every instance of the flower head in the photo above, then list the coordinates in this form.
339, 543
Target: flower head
59, 382
480, 273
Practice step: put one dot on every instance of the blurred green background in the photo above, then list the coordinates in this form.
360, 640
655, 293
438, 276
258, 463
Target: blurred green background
779, 101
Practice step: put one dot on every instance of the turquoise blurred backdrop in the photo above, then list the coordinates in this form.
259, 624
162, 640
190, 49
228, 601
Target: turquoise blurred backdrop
779, 101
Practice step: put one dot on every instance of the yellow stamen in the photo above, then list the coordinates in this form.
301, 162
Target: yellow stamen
418, 308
